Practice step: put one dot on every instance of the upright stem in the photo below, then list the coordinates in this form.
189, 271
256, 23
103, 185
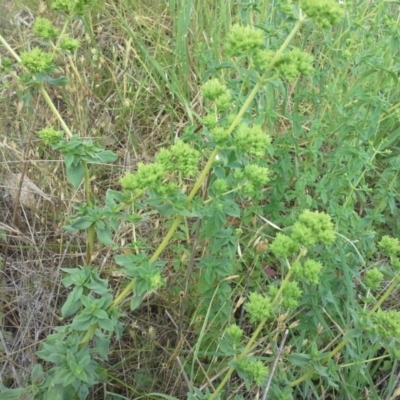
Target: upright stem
387, 293
41, 89
236, 121
91, 229
54, 110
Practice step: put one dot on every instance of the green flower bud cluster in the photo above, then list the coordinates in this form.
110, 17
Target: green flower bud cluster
37, 61
263, 58
324, 12
291, 294
289, 65
235, 333
255, 369
45, 29
77, 7
155, 280
285, 6
223, 102
258, 176
81, 6
50, 136
251, 140
216, 92
6, 64
180, 157
373, 278
210, 121
69, 44
391, 246
147, 176
310, 270
255, 178
244, 41
258, 307
66, 6
314, 352
283, 246
220, 135
220, 186
294, 63
386, 323
313, 227
249, 41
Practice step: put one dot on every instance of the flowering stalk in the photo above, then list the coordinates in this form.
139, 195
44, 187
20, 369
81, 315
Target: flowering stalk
206, 170
54, 110
210, 162
247, 103
41, 89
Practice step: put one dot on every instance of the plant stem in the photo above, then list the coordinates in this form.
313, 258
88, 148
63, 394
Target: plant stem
387, 293
54, 110
91, 229
41, 89
236, 121
254, 336
128, 289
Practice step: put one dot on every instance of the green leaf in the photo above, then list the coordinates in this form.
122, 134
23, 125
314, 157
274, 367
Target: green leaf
69, 160
82, 223
247, 378
88, 301
83, 376
102, 345
82, 322
112, 196
135, 302
98, 287
107, 156
73, 302
231, 208
224, 239
76, 276
55, 392
45, 78
225, 267
101, 314
68, 378
320, 370
104, 235
71, 360
208, 276
131, 262
14, 394
106, 324
226, 347
75, 174
299, 359
37, 374
214, 223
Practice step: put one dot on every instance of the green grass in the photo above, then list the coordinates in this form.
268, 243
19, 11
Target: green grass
134, 87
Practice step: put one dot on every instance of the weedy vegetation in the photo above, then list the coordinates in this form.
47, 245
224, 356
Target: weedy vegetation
200, 199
